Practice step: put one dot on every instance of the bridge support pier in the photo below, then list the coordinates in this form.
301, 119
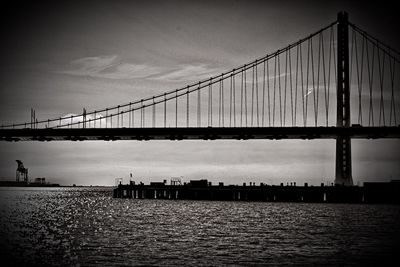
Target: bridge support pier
343, 175
343, 161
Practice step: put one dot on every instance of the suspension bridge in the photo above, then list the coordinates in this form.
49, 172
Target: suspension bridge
305, 90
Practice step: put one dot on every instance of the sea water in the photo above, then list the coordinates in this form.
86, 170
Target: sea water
87, 227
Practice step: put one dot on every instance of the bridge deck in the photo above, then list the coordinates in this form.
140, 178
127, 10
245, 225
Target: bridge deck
210, 133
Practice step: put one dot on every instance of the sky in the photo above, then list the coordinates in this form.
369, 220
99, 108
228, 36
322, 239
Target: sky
59, 57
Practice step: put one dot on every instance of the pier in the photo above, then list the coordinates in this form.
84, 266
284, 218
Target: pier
388, 192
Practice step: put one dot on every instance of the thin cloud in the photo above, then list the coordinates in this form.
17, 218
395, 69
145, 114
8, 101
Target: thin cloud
110, 67
129, 71
189, 72
279, 76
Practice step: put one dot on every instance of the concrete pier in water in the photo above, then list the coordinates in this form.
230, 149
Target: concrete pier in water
203, 190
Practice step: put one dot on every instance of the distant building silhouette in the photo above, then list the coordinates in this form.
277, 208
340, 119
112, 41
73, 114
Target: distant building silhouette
21, 172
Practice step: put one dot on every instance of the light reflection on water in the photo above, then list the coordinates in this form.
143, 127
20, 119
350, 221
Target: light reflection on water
86, 226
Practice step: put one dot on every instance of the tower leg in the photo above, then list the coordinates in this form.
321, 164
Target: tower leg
343, 174
343, 161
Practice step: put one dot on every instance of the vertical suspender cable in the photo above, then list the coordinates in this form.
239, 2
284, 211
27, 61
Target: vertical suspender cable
223, 101
176, 109
302, 88
297, 80
241, 100
359, 78
130, 114
144, 114
269, 97
323, 65
220, 103
230, 100
313, 80
106, 117
327, 96
263, 97
245, 96
381, 80
291, 86
210, 103
133, 117
141, 113
285, 88
370, 83
258, 117
280, 93
198, 107
273, 102
392, 102
154, 113
308, 91
118, 116
252, 95
187, 106
318, 76
165, 110
234, 100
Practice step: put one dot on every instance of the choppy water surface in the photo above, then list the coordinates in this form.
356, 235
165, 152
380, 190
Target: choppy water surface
86, 226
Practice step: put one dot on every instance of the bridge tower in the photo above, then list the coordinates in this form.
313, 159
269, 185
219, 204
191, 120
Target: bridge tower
343, 174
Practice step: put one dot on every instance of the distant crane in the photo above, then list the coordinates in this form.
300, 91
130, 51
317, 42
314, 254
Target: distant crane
22, 172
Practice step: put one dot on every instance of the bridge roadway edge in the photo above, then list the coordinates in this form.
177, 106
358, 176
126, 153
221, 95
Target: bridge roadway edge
192, 133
